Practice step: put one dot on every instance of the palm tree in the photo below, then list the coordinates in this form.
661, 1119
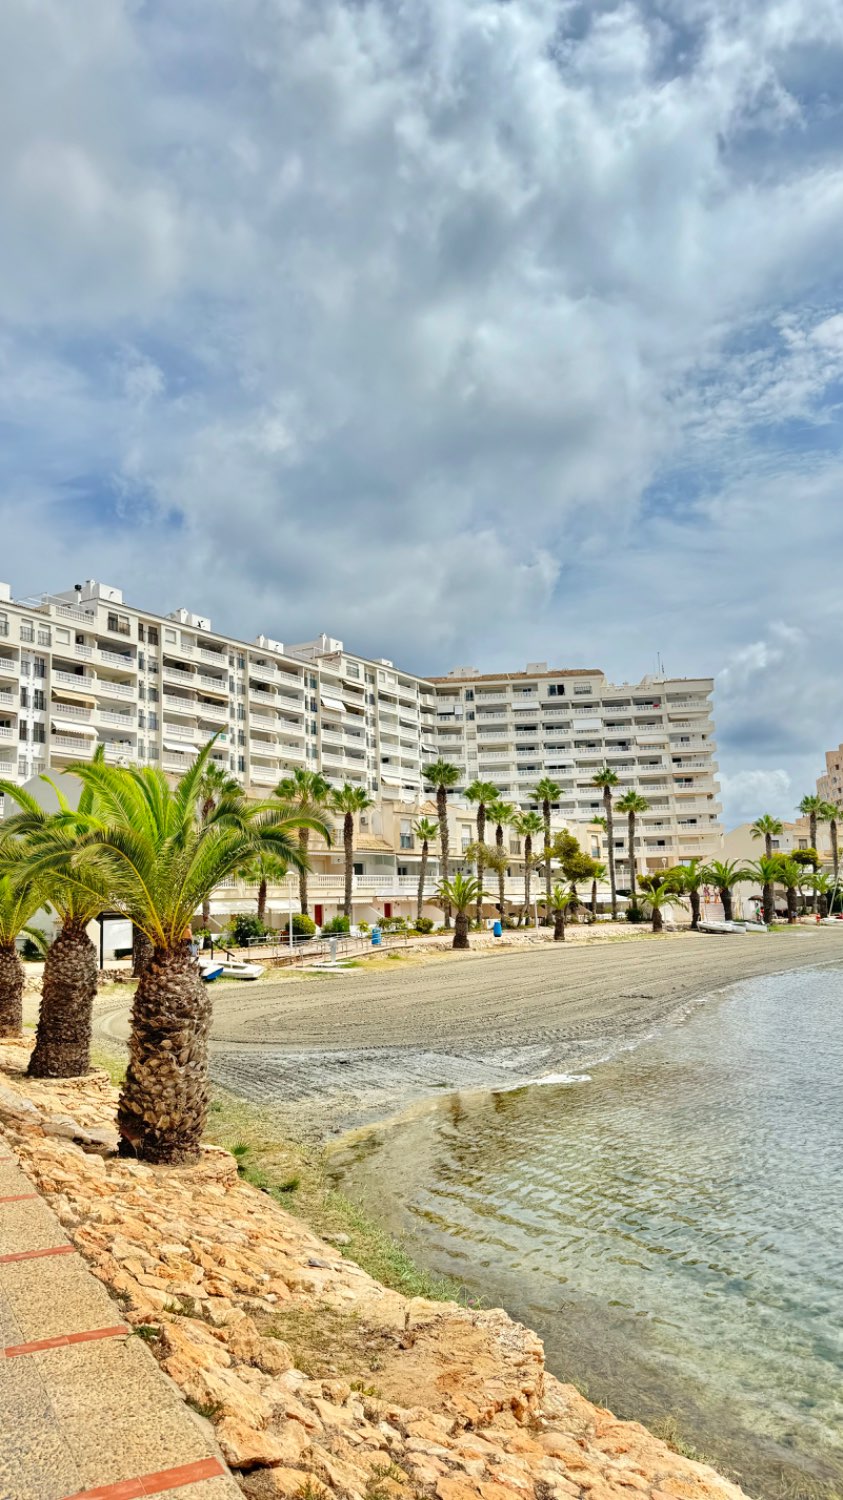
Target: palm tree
349, 800
831, 815
766, 872
560, 900
528, 825
461, 893
260, 870
547, 792
309, 793
606, 778
426, 830
159, 860
632, 803
689, 880
598, 873
813, 807
725, 875
69, 986
484, 794
216, 784
441, 777
501, 814
657, 897
823, 885
792, 876
768, 828
19, 901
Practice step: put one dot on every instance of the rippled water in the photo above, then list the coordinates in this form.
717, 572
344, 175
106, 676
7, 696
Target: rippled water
672, 1227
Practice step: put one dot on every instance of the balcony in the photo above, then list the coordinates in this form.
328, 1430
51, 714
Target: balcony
106, 689
9, 667
219, 658
257, 695
265, 673
113, 659
118, 751
175, 674
108, 716
173, 762
266, 721
179, 732
263, 748
73, 748
263, 776
7, 732
213, 684
85, 653
7, 700
73, 711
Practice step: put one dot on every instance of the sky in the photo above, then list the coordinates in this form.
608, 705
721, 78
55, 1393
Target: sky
468, 331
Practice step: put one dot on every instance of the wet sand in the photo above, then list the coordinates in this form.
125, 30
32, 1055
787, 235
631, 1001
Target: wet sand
326, 1053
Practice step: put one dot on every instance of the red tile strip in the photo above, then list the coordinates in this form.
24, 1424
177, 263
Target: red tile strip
63, 1339
154, 1484
35, 1254
17, 1197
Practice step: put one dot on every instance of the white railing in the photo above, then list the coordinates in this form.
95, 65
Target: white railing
261, 696
111, 716
266, 672
106, 689
84, 682
72, 711
174, 762
219, 658
180, 705
179, 675
120, 750
263, 719
269, 752
65, 744
8, 666
217, 684
113, 658
291, 752
86, 652
7, 700
6, 732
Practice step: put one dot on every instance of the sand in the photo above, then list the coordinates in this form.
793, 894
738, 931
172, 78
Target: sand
327, 1053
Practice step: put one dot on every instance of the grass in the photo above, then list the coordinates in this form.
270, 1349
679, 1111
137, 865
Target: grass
667, 1428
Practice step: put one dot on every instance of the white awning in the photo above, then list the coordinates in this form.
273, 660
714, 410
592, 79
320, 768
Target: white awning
70, 726
586, 724
391, 781
335, 705
182, 747
429, 749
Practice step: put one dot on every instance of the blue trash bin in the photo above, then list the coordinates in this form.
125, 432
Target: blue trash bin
376, 937
498, 930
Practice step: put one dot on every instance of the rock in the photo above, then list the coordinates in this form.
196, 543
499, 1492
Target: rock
338, 1239
268, 1484
247, 1447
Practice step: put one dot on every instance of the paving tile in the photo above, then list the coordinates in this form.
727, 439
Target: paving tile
35, 1460
29, 1226
75, 1301
12, 1179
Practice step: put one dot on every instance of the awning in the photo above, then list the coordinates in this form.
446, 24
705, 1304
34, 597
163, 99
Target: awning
70, 726
391, 781
336, 705
182, 747
66, 692
430, 749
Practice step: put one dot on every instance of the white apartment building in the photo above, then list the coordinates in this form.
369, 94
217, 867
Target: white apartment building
512, 728
82, 668
830, 784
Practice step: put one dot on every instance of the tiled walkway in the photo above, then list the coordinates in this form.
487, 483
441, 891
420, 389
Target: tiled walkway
85, 1412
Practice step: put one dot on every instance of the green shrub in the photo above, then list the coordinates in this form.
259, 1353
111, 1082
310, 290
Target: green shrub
424, 924
394, 924
363, 928
244, 928
303, 926
635, 914
337, 924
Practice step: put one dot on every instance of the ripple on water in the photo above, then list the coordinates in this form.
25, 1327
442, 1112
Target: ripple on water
673, 1228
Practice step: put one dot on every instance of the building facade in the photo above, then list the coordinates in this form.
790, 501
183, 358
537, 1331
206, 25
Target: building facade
83, 668
830, 784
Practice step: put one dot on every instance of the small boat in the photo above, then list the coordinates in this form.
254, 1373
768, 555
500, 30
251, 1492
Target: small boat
209, 970
719, 927
752, 926
236, 968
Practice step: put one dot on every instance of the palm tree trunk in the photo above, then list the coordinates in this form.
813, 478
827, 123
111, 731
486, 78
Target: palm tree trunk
460, 930
594, 900
206, 922
768, 845
547, 881
767, 903
444, 868
658, 923
631, 840
835, 856
823, 904
303, 847
164, 1100
142, 947
422, 876
726, 898
610, 832
559, 927
501, 870
481, 836
348, 845
262, 899
791, 904
695, 909
528, 855
11, 991
63, 1037
813, 827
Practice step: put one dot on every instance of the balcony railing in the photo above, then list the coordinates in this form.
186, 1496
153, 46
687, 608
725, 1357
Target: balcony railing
113, 659
65, 744
106, 689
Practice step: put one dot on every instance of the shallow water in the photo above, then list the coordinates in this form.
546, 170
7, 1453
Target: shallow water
673, 1227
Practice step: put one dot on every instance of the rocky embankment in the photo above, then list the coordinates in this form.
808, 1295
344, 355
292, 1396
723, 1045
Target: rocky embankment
319, 1381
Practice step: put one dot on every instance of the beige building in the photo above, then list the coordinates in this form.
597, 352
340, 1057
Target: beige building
83, 668
830, 784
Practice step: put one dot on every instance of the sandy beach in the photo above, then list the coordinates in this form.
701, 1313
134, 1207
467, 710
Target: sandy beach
327, 1053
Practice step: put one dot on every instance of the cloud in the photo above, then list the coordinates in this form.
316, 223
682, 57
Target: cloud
462, 330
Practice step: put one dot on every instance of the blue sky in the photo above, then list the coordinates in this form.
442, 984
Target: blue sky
468, 331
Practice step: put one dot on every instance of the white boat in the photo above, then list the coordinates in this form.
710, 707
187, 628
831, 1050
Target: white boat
236, 968
209, 970
752, 926
719, 927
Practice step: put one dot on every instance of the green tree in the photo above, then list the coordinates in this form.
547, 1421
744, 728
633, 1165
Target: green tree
19, 901
575, 864
528, 825
688, 880
309, 795
792, 875
560, 900
725, 875
501, 814
606, 778
823, 885
632, 804
598, 873
348, 801
546, 793
69, 986
425, 830
658, 896
259, 871
441, 777
159, 860
812, 807
460, 894
216, 784
485, 795
766, 872
768, 828
831, 815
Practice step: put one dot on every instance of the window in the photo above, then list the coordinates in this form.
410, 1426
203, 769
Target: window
39, 734
774, 844
119, 624
24, 697
582, 690
44, 636
4, 624
27, 630
352, 669
556, 690
39, 699
152, 635
39, 667
141, 631
23, 732
358, 869
403, 869
152, 694
152, 721
62, 636
469, 695
169, 637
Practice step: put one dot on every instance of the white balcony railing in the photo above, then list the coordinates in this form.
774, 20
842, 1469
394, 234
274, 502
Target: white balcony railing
65, 744
113, 659
6, 732
105, 689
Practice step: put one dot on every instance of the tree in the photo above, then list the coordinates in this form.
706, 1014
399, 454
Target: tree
260, 870
528, 825
69, 986
598, 873
546, 793
441, 777
348, 801
823, 885
632, 803
688, 880
309, 794
484, 794
813, 808
216, 784
19, 901
768, 828
725, 875
657, 896
766, 872
426, 830
560, 900
791, 874
460, 894
575, 864
606, 778
831, 815
159, 860
502, 815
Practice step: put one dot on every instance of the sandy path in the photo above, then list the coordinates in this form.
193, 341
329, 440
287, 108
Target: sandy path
329, 1052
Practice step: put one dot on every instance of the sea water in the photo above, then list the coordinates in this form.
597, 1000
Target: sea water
672, 1225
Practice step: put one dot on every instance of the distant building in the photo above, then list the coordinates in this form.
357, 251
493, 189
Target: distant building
830, 785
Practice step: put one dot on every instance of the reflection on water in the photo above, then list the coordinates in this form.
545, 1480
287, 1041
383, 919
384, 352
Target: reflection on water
673, 1228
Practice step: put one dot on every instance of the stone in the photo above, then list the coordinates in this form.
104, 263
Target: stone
247, 1447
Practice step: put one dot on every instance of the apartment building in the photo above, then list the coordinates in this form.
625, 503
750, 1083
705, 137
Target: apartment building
830, 784
511, 728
